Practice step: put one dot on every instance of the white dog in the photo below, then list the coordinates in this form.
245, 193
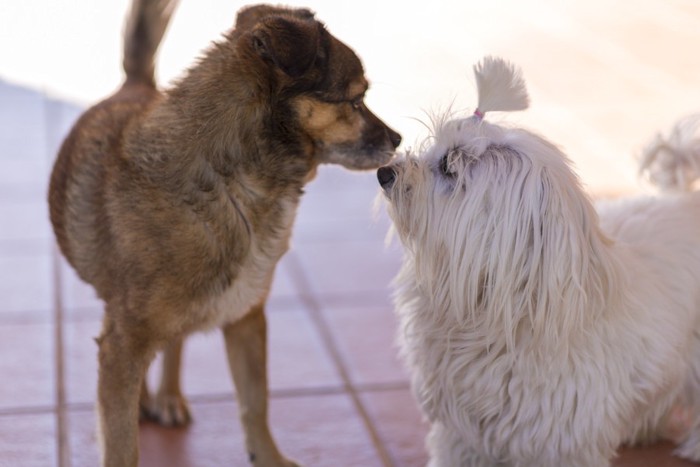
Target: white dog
538, 331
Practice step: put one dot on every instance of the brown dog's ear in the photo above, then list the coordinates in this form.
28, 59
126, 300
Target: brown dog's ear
290, 44
249, 16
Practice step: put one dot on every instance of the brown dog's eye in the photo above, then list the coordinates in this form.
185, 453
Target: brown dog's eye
357, 103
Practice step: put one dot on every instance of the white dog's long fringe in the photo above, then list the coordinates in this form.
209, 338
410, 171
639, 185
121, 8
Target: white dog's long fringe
500, 85
672, 161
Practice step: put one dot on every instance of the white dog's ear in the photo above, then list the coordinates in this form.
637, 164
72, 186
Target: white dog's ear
572, 275
534, 259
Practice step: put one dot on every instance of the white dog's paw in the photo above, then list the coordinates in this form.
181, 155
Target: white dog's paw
690, 447
169, 410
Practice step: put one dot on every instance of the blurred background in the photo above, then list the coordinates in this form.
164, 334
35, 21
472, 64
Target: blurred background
603, 74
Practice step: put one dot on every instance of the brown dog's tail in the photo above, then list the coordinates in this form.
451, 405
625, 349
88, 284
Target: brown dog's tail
145, 27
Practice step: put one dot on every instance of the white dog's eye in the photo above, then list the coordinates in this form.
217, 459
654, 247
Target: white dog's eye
445, 168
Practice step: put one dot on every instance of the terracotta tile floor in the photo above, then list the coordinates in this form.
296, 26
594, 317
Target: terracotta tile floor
603, 76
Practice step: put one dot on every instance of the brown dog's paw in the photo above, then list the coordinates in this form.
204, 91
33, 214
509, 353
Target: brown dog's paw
281, 462
278, 461
170, 410
284, 462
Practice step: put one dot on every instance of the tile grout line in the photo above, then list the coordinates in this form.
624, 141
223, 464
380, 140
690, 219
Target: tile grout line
63, 445
314, 312
64, 458
224, 397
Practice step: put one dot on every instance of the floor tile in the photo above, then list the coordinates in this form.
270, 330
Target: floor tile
340, 205
366, 338
312, 227
322, 430
25, 284
19, 173
296, 359
349, 268
77, 295
319, 431
27, 366
28, 440
25, 220
14, 192
80, 360
284, 288
658, 455
400, 425
19, 170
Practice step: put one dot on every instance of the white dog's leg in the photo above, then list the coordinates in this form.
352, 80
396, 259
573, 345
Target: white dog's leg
690, 411
448, 449
690, 447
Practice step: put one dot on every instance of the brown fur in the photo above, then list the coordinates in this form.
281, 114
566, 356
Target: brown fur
177, 205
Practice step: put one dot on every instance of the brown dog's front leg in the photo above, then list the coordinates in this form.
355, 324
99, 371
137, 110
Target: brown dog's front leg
246, 347
122, 361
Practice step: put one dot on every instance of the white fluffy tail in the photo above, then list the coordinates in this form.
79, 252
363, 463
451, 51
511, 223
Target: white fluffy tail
500, 85
672, 161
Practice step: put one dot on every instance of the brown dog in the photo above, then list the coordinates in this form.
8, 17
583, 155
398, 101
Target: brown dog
176, 206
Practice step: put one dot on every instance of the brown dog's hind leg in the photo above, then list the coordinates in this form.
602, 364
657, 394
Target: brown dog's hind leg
169, 407
246, 348
122, 363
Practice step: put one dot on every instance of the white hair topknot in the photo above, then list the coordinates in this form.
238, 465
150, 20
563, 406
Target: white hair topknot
500, 85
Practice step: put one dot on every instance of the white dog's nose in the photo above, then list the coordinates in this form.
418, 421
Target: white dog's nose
386, 177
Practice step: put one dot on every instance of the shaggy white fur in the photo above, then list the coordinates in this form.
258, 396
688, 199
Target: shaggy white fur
538, 330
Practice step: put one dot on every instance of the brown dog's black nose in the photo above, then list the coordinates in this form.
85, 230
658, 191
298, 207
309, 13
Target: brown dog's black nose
386, 176
394, 137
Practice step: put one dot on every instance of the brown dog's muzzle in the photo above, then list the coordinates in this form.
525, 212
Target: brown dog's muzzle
379, 135
394, 137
